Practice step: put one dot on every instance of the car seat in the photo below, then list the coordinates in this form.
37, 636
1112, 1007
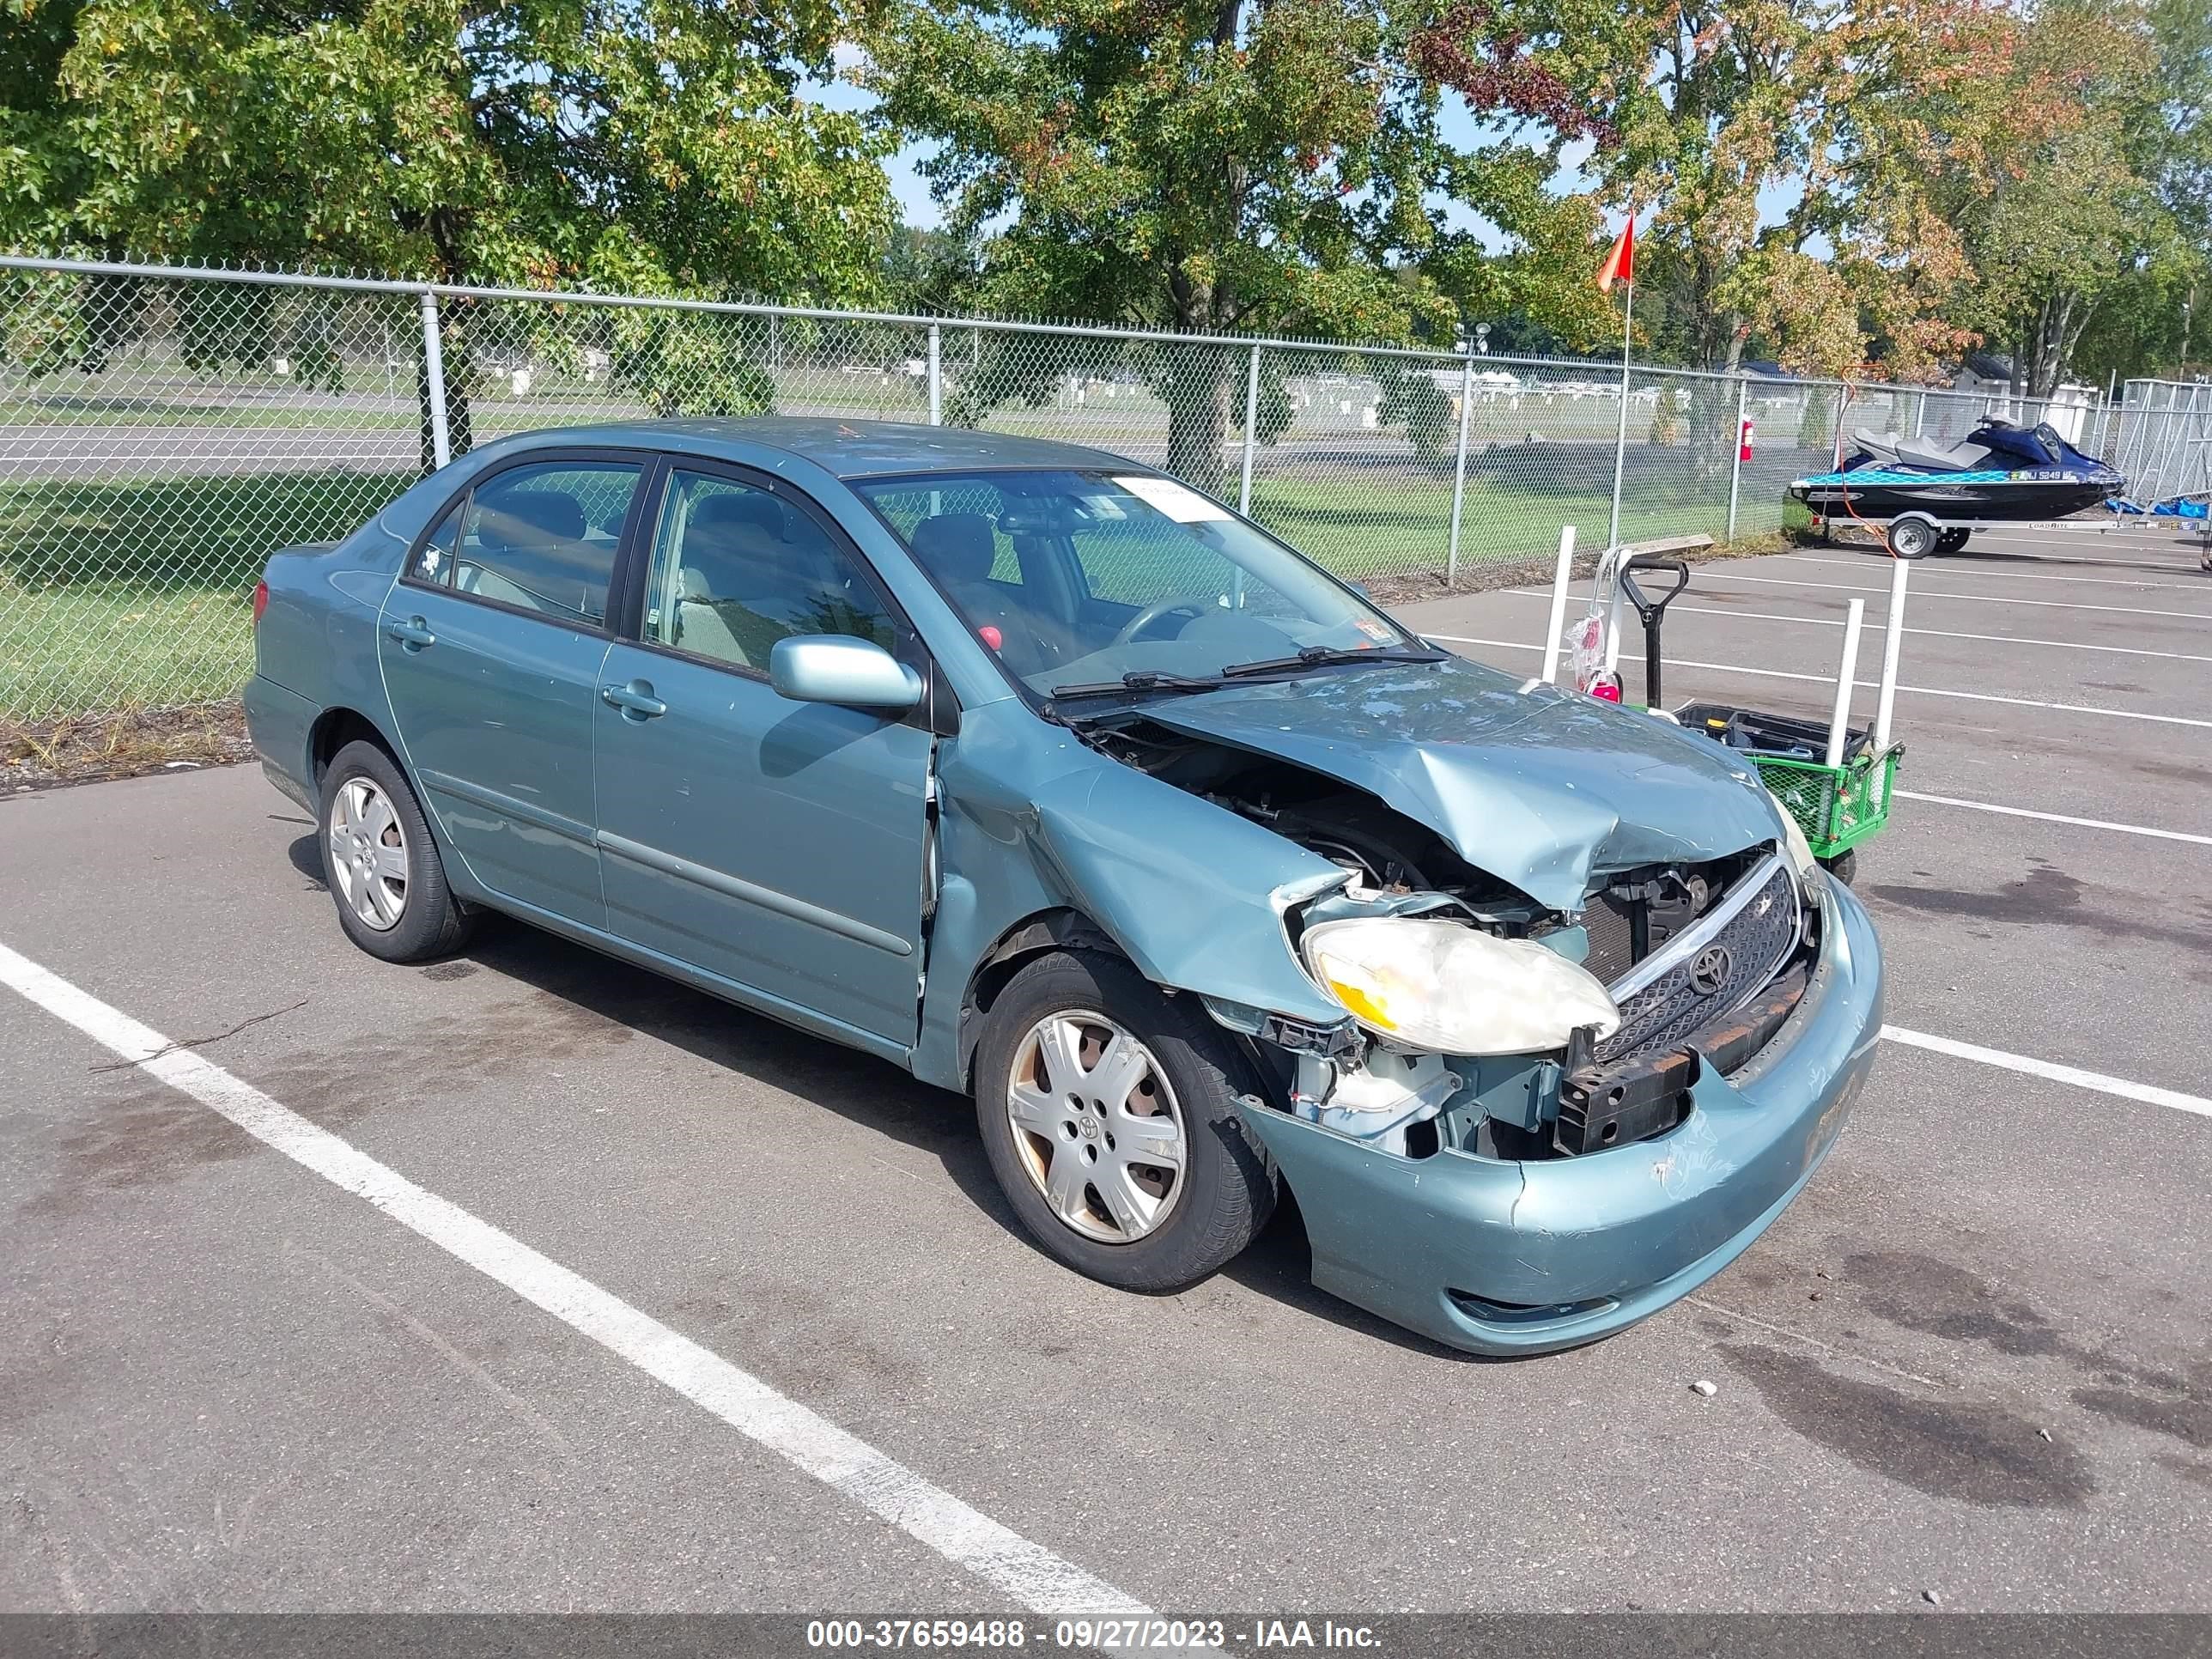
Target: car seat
959, 549
532, 553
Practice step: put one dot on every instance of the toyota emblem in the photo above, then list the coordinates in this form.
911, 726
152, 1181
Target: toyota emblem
1709, 969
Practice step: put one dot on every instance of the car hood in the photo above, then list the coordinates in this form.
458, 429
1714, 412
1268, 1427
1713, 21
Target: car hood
1540, 788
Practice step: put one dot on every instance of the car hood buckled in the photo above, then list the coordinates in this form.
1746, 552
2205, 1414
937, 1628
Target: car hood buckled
1537, 786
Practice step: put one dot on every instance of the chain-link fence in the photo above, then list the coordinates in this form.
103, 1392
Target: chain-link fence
162, 431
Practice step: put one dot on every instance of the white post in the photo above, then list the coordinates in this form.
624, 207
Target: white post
936, 376
1840, 717
433, 364
1735, 467
1251, 431
1620, 443
1554, 630
1892, 639
1459, 466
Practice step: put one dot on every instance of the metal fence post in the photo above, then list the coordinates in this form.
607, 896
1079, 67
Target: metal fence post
433, 366
1919, 412
1735, 467
1251, 431
1458, 464
936, 376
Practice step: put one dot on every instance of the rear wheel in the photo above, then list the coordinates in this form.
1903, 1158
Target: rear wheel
1109, 1114
1952, 540
1912, 539
1843, 866
380, 864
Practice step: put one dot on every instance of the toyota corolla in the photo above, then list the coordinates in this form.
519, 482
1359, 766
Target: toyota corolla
1058, 783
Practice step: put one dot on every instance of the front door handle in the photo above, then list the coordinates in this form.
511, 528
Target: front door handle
413, 633
636, 700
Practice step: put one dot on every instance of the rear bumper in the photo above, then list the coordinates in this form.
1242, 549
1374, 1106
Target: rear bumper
1504, 1258
280, 721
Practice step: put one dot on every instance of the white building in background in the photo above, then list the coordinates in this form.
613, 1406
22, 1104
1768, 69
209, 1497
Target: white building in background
1988, 377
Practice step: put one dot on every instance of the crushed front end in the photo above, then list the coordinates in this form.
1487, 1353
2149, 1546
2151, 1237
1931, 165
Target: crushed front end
1601, 1013
1518, 1203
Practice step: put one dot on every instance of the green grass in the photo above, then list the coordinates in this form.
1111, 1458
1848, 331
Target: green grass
133, 593
1365, 528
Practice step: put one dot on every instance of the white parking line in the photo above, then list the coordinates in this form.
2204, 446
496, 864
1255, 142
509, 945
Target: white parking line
2149, 1094
2054, 817
1875, 627
1830, 679
1028, 1572
1975, 599
2011, 575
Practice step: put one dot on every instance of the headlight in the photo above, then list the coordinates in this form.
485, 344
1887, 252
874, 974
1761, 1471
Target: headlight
1450, 989
1794, 843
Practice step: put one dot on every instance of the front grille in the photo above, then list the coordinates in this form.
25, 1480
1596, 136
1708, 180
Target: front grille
1757, 941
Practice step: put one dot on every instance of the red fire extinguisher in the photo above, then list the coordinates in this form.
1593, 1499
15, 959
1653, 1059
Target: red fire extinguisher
1743, 441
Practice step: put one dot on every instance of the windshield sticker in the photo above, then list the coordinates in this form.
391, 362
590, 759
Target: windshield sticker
1373, 629
1166, 495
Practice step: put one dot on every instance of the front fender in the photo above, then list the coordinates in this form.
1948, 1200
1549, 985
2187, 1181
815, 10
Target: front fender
1030, 820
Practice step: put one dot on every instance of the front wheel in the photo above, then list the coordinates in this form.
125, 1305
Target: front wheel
1109, 1114
380, 863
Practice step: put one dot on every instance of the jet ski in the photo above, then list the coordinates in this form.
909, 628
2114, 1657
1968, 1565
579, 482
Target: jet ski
2001, 473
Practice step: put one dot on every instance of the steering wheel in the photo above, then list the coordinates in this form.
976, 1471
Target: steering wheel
1197, 603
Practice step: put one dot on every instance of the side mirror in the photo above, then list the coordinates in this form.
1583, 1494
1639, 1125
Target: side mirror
837, 668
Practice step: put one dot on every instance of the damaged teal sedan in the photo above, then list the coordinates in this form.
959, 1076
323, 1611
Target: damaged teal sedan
1060, 785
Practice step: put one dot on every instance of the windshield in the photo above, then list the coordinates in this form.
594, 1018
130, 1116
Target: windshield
1081, 580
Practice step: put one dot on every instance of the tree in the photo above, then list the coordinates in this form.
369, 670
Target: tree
1224, 166
652, 145
1781, 147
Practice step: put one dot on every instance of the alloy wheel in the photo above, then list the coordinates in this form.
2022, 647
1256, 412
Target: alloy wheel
1097, 1126
368, 854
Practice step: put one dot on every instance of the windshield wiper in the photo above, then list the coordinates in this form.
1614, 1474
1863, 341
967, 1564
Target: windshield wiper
1140, 679
1320, 656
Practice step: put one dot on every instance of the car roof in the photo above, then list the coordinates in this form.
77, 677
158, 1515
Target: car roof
848, 449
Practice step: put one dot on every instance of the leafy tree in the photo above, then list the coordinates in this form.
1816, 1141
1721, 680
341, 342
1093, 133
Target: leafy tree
1226, 166
1696, 110
651, 145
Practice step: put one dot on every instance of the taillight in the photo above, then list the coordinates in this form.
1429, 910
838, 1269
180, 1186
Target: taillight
260, 601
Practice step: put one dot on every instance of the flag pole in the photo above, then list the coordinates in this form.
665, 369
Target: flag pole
1620, 443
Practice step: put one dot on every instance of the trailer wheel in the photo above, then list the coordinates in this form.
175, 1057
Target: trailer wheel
1952, 540
1912, 538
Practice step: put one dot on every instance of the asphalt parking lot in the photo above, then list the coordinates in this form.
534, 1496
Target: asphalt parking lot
1968, 1367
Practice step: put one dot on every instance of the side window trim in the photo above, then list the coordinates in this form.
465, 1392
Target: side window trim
649, 464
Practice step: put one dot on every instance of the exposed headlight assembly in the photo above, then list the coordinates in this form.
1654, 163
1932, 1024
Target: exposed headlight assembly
1448, 988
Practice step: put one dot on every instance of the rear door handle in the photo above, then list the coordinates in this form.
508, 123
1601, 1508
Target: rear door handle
414, 633
636, 700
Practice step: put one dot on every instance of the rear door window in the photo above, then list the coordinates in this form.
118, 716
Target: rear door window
544, 538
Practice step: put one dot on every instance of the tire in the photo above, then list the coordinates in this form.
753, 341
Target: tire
1911, 538
1048, 1051
1952, 540
1843, 866
399, 909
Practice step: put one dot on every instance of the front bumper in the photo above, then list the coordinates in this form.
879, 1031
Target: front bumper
1505, 1258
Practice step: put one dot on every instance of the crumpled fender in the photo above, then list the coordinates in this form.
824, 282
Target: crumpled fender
1188, 892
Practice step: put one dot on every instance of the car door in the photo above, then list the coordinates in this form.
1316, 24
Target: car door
777, 845
491, 644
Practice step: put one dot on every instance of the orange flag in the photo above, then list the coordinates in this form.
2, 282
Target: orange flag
1619, 265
